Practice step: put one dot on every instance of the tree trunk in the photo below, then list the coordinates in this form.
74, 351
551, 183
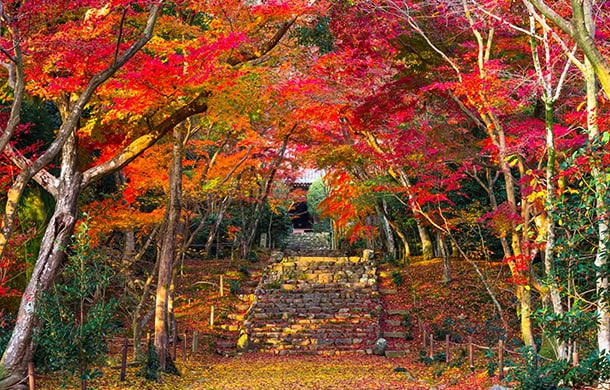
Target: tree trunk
446, 255
137, 322
403, 239
549, 248
382, 211
168, 251
216, 227
427, 247
20, 348
249, 233
525, 310
601, 257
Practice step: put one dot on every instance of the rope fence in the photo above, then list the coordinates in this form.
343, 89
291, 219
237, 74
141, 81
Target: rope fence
429, 343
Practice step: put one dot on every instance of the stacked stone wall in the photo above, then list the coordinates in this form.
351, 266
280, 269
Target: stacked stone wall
315, 305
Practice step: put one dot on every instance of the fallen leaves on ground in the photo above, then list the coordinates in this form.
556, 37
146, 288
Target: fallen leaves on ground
255, 371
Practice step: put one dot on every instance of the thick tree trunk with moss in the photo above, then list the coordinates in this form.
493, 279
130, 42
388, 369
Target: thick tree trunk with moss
549, 248
20, 348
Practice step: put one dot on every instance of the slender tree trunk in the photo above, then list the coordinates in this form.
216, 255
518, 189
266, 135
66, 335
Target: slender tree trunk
216, 227
137, 324
168, 251
549, 248
601, 257
403, 239
382, 211
427, 247
446, 255
254, 220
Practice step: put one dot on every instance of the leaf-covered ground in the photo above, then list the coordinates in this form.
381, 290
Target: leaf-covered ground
459, 307
272, 372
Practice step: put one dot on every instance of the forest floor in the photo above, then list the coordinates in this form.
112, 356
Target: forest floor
461, 308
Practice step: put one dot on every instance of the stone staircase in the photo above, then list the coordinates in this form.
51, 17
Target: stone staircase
308, 242
315, 305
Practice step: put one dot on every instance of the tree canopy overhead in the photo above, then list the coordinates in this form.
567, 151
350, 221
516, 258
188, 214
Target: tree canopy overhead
430, 118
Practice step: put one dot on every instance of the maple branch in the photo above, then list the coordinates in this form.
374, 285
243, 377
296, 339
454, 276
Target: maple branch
266, 48
66, 130
547, 11
42, 177
120, 37
506, 22
239, 163
577, 29
70, 123
142, 143
406, 15
17, 83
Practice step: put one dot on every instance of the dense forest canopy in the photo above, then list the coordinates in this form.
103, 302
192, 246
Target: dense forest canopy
475, 129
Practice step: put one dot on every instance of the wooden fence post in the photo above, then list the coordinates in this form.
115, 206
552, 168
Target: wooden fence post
31, 376
222, 286
501, 359
470, 353
447, 350
124, 359
184, 346
195, 342
431, 346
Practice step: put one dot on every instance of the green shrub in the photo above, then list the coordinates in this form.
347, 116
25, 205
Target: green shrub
244, 270
150, 370
76, 316
234, 286
541, 374
7, 322
397, 279
252, 257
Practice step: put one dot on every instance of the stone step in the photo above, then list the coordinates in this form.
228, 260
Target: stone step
393, 322
397, 312
246, 297
236, 317
395, 335
395, 354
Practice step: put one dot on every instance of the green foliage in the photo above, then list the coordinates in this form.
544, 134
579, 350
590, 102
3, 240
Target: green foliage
397, 278
43, 118
317, 192
539, 374
150, 370
389, 258
319, 35
7, 321
425, 358
234, 286
281, 225
244, 271
407, 322
252, 257
76, 315
573, 325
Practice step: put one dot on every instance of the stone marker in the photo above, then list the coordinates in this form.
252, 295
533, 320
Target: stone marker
380, 346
